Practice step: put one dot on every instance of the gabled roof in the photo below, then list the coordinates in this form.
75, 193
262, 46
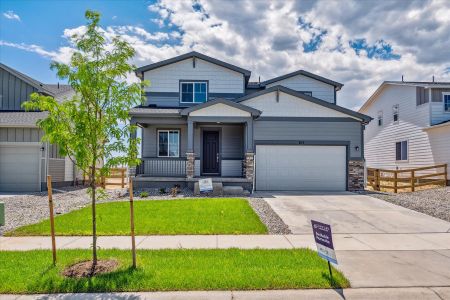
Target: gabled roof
252, 111
336, 85
314, 100
153, 111
193, 54
424, 84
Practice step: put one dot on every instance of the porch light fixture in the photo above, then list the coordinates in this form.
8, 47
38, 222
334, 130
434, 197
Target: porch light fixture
357, 148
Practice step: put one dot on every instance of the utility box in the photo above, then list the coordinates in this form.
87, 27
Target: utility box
2, 213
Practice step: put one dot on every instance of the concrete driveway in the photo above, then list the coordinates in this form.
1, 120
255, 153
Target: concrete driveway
378, 244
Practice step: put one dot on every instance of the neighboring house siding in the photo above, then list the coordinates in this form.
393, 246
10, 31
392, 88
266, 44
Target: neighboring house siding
422, 95
438, 114
310, 131
9, 134
436, 94
302, 83
56, 168
289, 106
166, 80
69, 169
380, 140
13, 91
440, 145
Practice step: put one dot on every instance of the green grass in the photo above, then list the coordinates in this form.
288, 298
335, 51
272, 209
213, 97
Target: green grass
163, 270
170, 217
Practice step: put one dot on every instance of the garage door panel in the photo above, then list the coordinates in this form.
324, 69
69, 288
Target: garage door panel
292, 167
19, 168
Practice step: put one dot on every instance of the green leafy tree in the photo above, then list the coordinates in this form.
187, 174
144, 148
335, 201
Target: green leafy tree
94, 124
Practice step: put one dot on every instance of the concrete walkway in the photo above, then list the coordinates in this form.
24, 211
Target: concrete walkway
415, 293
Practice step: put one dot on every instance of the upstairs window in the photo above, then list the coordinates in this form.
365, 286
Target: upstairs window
395, 113
380, 118
401, 150
446, 102
194, 92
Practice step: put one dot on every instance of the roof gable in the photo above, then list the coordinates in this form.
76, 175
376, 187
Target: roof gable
337, 85
221, 107
139, 71
316, 106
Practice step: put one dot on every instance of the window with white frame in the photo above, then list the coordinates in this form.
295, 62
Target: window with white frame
380, 118
168, 143
395, 113
193, 92
401, 150
446, 97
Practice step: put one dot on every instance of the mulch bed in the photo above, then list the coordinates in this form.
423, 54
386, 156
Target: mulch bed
84, 269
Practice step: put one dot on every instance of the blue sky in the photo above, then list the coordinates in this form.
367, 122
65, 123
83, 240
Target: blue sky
358, 43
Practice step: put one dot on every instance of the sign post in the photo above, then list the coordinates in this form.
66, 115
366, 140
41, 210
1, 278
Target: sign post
324, 242
205, 185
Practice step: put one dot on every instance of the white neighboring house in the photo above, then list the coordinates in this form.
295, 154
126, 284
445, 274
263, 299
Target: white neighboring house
411, 126
25, 161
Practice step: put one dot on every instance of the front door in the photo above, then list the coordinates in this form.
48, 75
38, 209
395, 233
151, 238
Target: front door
211, 152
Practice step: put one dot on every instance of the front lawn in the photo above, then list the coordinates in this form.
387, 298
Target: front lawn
161, 217
163, 270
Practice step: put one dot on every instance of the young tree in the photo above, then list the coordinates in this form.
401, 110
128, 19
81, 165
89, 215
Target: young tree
94, 124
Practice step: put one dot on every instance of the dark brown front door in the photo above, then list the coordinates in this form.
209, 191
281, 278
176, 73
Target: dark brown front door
211, 152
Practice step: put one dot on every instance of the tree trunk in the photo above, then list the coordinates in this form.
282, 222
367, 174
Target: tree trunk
94, 220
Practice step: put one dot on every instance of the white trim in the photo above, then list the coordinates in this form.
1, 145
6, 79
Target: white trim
407, 151
193, 90
443, 102
168, 142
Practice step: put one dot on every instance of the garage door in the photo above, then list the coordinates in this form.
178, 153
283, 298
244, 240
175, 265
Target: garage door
19, 168
290, 168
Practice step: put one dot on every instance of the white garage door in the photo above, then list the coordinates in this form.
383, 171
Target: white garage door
290, 168
19, 168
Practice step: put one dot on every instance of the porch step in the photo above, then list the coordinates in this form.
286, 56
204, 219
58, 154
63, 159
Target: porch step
233, 190
217, 189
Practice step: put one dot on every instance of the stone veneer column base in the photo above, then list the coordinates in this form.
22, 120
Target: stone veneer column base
356, 175
190, 165
248, 167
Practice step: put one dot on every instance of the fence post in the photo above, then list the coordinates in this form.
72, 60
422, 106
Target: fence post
445, 175
123, 177
395, 181
52, 221
413, 181
377, 180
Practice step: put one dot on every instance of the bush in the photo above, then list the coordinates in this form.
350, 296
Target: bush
143, 194
162, 190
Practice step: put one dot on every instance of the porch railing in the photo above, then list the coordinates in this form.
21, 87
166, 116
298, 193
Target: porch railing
162, 167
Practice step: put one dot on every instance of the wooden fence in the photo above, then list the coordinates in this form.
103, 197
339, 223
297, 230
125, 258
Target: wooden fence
111, 179
409, 179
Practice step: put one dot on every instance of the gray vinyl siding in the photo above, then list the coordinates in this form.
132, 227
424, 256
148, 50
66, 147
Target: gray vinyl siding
56, 168
231, 168
150, 139
436, 94
172, 99
422, 95
13, 91
8, 134
310, 131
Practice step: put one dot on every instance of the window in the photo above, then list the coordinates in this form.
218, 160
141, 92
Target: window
194, 92
446, 102
380, 118
395, 113
168, 143
401, 150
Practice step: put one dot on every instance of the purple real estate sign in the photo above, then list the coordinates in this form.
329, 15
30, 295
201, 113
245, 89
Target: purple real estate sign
324, 241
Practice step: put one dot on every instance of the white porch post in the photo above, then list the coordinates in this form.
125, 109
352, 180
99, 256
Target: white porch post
190, 155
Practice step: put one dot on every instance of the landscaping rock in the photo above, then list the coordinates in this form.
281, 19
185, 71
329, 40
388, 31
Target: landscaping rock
273, 222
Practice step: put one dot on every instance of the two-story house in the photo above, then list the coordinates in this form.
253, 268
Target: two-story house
25, 161
203, 118
411, 127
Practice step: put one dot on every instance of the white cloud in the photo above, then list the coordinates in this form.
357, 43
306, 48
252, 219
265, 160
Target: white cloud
11, 15
267, 38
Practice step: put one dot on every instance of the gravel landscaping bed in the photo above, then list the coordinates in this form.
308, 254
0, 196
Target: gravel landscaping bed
433, 202
273, 222
27, 209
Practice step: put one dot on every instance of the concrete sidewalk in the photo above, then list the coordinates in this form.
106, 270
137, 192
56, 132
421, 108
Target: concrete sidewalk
349, 242
415, 293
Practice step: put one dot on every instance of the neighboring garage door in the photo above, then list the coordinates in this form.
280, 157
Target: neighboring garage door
19, 168
290, 168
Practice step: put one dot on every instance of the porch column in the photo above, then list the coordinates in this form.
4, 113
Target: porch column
190, 155
249, 152
132, 171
